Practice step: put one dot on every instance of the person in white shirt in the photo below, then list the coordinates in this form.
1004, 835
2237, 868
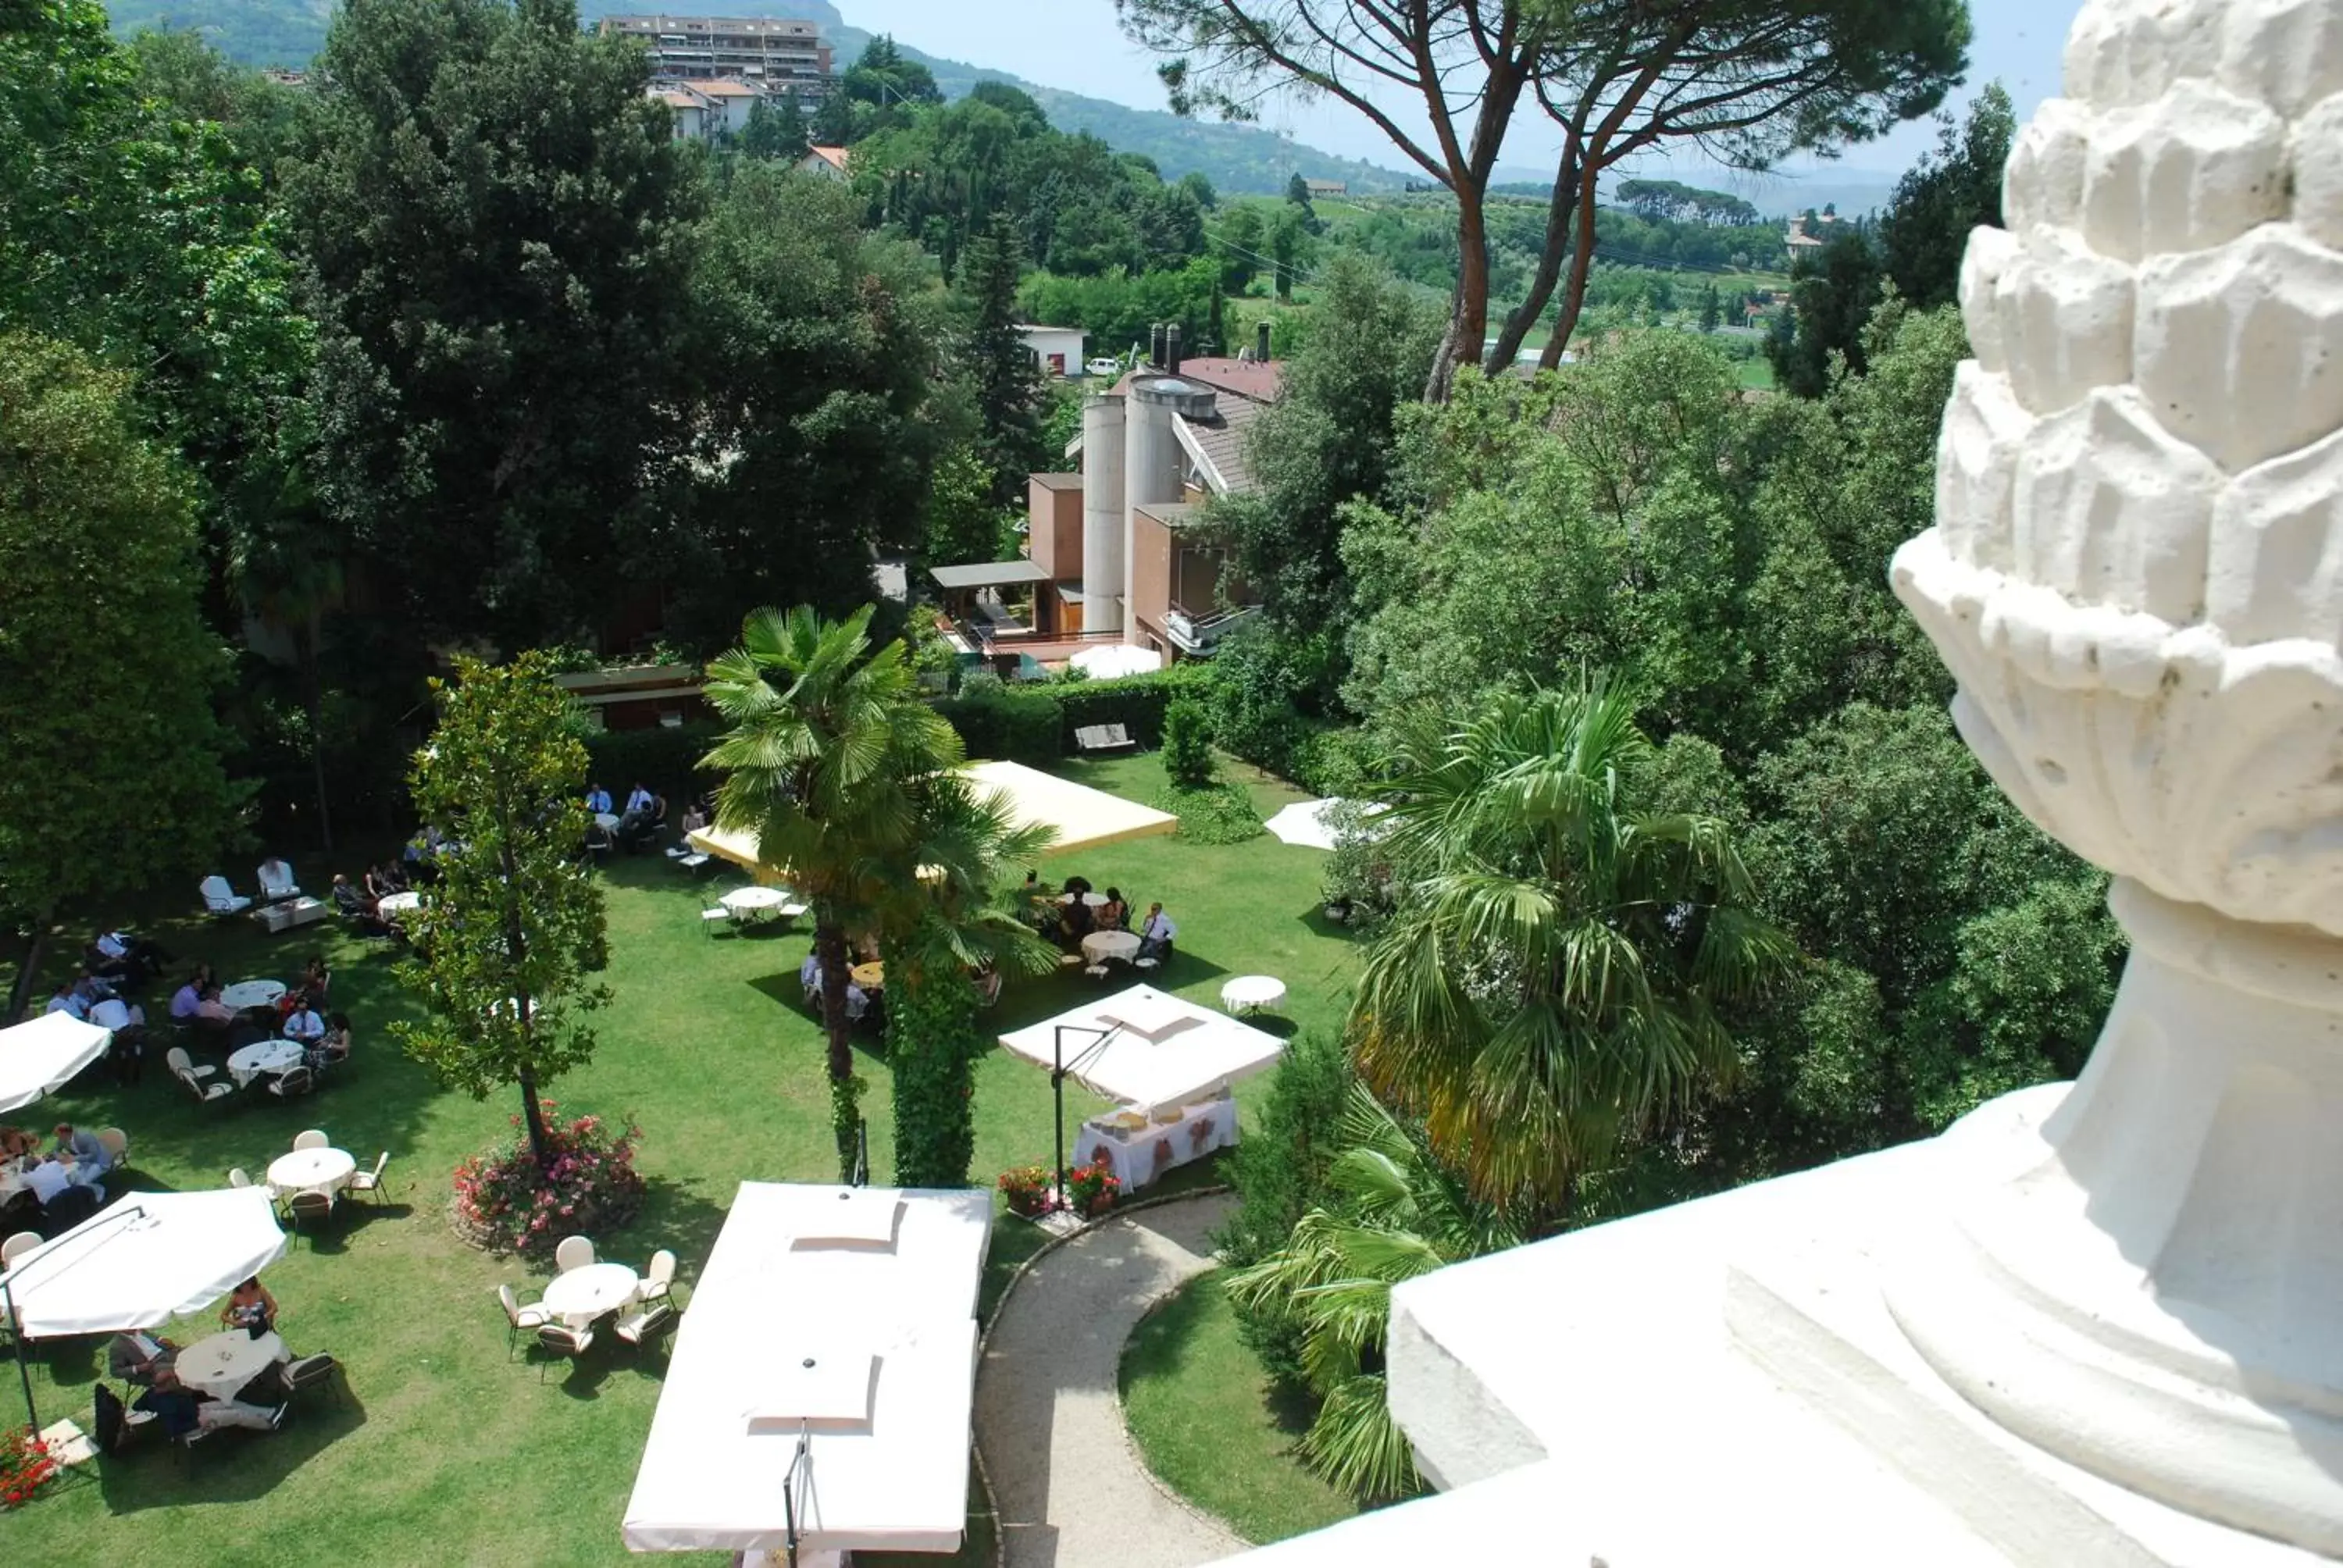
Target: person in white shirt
304, 1024
47, 1180
1155, 936
598, 800
116, 1015
68, 1000
639, 802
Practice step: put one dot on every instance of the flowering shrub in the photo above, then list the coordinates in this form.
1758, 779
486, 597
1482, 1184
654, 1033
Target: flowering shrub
24, 1467
1092, 1190
505, 1203
1027, 1188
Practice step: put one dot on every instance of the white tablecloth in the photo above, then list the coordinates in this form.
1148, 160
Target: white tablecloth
266, 1056
581, 1295
606, 820
400, 903
312, 1171
1095, 900
251, 993
1100, 946
1247, 993
225, 1362
1136, 1159
745, 901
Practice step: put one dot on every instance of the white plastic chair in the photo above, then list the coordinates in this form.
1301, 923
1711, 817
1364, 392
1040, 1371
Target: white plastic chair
575, 1253
312, 1139
714, 916
178, 1060
237, 1178
115, 1142
220, 898
287, 889
518, 1317
371, 1182
660, 1278
18, 1245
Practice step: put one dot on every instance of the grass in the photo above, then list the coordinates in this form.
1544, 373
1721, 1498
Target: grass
1212, 1427
446, 1450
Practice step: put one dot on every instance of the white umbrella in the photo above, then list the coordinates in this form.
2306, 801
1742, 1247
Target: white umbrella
1109, 661
41, 1054
1146, 1047
1306, 822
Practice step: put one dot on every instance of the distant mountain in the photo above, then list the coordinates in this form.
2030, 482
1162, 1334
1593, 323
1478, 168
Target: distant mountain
1238, 159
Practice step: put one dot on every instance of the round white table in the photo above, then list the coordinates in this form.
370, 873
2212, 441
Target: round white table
312, 1171
270, 1057
400, 903
1095, 900
581, 1295
225, 1362
754, 899
246, 995
1251, 993
1100, 946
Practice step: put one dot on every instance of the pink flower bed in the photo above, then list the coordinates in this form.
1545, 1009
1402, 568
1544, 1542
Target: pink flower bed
506, 1203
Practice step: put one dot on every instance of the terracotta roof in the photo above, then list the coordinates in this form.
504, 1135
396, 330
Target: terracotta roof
1218, 443
834, 156
678, 98
727, 87
1259, 380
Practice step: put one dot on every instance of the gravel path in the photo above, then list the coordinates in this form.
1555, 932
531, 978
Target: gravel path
1071, 1487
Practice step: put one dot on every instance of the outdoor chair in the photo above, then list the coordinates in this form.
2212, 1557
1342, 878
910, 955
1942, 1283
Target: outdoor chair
694, 860
646, 1324
293, 1083
660, 1278
310, 1137
518, 1317
573, 1252
371, 1182
560, 1339
117, 1145
205, 1093
178, 1060
713, 916
312, 1371
220, 898
274, 892
18, 1245
237, 1178
299, 1206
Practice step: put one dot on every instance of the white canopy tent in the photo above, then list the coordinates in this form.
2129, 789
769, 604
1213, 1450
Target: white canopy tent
1305, 823
150, 1257
1112, 660
1156, 1049
843, 1317
1082, 817
42, 1054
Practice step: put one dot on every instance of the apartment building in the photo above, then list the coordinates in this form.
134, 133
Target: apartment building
772, 54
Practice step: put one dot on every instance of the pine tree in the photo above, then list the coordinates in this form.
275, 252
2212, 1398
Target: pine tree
999, 363
776, 130
1711, 310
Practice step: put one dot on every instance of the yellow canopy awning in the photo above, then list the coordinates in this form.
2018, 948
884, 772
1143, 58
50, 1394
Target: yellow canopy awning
1084, 817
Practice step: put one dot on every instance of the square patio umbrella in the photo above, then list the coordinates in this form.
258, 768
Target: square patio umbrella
42, 1054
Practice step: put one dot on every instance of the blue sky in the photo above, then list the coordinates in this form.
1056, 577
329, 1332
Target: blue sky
1076, 44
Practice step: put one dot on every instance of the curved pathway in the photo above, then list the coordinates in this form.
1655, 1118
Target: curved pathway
1071, 1487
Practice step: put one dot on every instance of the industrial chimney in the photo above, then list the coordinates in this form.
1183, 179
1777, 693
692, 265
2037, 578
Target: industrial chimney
1155, 345
1172, 348
1261, 340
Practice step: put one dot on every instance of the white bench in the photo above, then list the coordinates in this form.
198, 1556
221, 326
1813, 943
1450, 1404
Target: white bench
1103, 737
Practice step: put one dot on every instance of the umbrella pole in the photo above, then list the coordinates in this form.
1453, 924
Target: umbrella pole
23, 1367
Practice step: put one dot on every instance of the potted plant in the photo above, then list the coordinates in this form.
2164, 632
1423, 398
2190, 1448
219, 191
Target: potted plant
1092, 1190
1026, 1188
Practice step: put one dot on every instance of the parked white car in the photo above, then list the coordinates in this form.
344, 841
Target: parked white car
1105, 365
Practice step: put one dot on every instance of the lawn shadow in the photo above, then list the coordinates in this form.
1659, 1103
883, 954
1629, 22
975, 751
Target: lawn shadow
235, 1465
678, 1216
1321, 924
870, 1038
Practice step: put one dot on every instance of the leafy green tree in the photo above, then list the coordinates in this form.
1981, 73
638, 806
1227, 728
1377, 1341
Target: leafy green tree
1187, 743
1559, 975
1831, 300
952, 923
811, 372
111, 780
1939, 200
999, 366
828, 746
1242, 242
495, 218
1391, 1213
1710, 310
776, 132
964, 522
510, 932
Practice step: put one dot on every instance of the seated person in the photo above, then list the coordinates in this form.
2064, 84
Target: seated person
117, 1015
598, 800
65, 998
182, 1410
1080, 921
251, 1308
211, 1010
315, 978
118, 955
90, 1159
357, 907
394, 877
694, 817
1114, 915
48, 1181
810, 976
138, 1357
16, 1146
333, 1048
1156, 936
302, 1023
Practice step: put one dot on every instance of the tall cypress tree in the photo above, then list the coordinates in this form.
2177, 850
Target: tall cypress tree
1000, 364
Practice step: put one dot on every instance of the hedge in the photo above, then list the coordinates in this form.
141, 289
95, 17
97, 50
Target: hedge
1035, 724
1010, 724
665, 759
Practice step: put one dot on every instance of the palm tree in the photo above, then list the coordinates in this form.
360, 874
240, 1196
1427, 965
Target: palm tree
829, 742
1395, 1213
954, 919
1553, 979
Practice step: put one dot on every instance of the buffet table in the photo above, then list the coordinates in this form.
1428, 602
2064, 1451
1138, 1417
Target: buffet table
1140, 1155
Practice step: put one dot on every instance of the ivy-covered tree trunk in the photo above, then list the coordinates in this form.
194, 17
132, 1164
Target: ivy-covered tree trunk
845, 1088
932, 1042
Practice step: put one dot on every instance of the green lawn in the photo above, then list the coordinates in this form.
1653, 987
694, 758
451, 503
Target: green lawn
449, 1451
1758, 374
1211, 1427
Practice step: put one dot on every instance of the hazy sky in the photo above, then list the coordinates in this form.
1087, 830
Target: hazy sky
1076, 44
